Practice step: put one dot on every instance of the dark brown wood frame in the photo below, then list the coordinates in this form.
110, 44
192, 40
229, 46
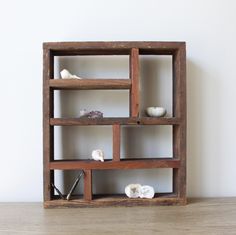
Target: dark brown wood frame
178, 163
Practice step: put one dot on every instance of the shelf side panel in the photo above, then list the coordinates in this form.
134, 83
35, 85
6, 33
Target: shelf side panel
48, 133
179, 111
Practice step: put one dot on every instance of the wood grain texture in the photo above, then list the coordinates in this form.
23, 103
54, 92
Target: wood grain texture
116, 142
109, 164
112, 121
134, 76
118, 200
87, 185
48, 133
179, 111
89, 84
111, 48
201, 216
183, 125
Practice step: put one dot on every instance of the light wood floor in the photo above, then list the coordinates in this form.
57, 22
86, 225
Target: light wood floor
200, 216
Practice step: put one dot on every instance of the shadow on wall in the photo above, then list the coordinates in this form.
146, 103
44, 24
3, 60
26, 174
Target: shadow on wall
201, 158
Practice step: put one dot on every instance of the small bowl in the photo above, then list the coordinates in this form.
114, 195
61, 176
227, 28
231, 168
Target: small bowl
156, 111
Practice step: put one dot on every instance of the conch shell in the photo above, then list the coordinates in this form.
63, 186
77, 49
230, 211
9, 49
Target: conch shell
98, 155
65, 74
137, 190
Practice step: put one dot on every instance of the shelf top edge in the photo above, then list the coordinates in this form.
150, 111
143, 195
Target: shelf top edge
112, 45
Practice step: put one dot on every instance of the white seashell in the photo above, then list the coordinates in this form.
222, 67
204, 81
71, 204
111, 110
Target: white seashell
156, 111
98, 155
147, 191
137, 190
65, 74
133, 190
83, 113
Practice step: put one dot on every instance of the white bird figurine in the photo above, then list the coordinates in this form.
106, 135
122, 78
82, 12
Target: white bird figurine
65, 74
98, 155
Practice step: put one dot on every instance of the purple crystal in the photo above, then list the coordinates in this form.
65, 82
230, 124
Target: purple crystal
95, 114
92, 114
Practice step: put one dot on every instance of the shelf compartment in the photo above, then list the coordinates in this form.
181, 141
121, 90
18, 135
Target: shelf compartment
114, 181
118, 200
149, 140
156, 81
80, 141
65, 180
93, 66
69, 103
109, 164
113, 121
89, 84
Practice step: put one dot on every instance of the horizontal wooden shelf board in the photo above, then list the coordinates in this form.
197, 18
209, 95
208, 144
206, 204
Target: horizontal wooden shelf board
112, 121
118, 200
111, 48
101, 197
109, 164
89, 84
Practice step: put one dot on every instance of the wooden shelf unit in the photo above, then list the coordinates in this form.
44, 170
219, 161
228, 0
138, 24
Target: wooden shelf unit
178, 121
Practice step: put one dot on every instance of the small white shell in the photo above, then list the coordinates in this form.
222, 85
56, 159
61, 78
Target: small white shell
147, 191
137, 190
98, 155
156, 111
133, 190
65, 74
83, 113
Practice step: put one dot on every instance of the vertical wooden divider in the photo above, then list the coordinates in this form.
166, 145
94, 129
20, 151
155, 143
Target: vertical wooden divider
88, 185
48, 133
116, 142
179, 111
134, 76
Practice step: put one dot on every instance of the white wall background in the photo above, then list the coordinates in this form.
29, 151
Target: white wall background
207, 26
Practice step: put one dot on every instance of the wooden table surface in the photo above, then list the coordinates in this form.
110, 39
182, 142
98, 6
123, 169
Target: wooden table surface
200, 216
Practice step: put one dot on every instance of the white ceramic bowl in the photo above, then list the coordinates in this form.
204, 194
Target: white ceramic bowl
156, 111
